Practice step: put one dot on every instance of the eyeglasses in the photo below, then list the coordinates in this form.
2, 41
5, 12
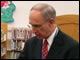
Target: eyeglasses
38, 25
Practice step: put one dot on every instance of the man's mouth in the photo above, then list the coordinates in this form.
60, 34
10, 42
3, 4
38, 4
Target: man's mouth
39, 37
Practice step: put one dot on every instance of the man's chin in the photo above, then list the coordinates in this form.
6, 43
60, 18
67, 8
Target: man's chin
40, 38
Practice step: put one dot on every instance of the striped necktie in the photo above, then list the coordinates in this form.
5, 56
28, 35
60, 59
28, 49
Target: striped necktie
44, 49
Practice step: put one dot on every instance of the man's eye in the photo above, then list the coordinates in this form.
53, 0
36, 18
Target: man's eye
36, 25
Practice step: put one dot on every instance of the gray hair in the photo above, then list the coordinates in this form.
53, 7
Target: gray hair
47, 10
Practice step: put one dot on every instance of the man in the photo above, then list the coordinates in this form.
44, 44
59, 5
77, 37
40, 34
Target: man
49, 42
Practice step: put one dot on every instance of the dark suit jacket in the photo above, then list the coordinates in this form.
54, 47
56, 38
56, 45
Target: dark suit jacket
63, 47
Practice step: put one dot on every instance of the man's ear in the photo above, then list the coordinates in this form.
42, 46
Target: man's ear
51, 21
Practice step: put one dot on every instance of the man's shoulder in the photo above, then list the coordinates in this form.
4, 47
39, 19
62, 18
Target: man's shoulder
68, 40
31, 40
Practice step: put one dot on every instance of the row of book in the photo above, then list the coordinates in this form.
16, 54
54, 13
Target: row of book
15, 45
3, 50
3, 36
18, 45
21, 33
14, 48
13, 55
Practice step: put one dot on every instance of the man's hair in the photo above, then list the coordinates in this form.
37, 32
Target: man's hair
47, 10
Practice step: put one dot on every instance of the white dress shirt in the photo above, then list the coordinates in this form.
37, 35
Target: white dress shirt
51, 38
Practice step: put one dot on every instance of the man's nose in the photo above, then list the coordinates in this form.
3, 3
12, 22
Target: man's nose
34, 30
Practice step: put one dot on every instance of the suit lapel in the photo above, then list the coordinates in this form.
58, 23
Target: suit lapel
56, 47
38, 50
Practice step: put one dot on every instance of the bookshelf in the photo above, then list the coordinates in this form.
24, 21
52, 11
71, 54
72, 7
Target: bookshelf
3, 40
16, 40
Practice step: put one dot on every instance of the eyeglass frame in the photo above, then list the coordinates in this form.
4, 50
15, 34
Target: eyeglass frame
38, 26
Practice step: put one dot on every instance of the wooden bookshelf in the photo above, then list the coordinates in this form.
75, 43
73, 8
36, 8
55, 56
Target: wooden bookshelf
4, 42
16, 40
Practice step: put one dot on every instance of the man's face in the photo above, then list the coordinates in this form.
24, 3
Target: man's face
39, 25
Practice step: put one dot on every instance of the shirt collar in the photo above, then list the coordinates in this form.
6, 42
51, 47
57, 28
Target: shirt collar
51, 37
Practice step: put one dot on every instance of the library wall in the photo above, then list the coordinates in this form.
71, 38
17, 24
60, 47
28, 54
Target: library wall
21, 14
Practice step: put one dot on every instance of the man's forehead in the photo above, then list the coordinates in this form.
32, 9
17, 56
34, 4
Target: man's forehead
35, 12
36, 17
35, 22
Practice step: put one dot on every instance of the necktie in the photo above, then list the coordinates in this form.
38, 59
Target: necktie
45, 49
